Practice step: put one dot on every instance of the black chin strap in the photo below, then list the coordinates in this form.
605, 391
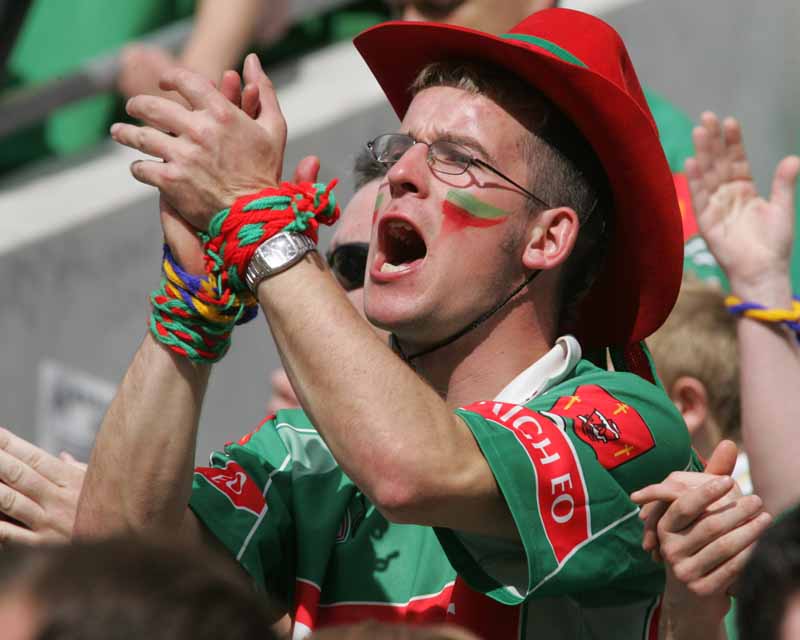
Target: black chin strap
395, 343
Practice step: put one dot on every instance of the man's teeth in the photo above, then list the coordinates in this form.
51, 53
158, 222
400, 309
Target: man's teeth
388, 267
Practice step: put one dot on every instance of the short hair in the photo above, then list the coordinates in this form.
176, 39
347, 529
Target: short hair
698, 339
769, 579
366, 169
131, 588
564, 169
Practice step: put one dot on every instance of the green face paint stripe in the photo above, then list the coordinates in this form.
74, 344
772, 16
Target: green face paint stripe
557, 51
474, 206
378, 201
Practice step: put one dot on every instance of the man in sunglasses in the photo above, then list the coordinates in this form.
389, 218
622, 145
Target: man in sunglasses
481, 477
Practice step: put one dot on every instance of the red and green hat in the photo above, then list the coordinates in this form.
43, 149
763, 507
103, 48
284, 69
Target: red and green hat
580, 63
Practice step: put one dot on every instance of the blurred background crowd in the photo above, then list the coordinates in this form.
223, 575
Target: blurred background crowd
79, 260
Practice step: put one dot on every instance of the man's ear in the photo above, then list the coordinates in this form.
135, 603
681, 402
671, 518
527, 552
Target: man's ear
551, 238
690, 397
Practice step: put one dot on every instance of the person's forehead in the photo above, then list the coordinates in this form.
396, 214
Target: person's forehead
439, 112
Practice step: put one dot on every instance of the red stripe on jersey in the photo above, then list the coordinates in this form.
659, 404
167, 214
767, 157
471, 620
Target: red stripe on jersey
560, 488
651, 632
306, 598
456, 603
234, 483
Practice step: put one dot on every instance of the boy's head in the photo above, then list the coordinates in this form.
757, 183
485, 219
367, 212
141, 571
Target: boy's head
697, 359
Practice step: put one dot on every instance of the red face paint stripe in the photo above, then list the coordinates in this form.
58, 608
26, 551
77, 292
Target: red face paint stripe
457, 218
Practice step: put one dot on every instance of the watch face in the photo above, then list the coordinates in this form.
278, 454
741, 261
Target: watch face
279, 251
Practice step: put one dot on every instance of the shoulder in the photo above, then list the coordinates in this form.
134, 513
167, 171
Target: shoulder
631, 425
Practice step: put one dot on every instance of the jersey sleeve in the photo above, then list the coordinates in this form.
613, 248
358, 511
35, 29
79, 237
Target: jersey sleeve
566, 463
250, 494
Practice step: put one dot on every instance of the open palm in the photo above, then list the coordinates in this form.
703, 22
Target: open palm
751, 237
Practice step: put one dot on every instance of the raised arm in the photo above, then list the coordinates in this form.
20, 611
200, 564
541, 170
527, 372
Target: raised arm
752, 238
139, 475
338, 391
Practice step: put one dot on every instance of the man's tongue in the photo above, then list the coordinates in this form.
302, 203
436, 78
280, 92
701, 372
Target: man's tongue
403, 247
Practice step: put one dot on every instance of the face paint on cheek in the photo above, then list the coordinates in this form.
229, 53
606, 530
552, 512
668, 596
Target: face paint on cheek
462, 209
378, 204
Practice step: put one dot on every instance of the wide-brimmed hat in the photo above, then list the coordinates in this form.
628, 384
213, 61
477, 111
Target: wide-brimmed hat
580, 63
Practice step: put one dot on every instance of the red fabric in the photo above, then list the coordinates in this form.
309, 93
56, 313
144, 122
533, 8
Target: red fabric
639, 283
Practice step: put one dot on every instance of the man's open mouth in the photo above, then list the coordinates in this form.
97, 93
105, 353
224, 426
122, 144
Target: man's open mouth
401, 245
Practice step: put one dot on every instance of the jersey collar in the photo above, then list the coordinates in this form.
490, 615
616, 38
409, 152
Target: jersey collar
552, 368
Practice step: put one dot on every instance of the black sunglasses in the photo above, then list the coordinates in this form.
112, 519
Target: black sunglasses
348, 262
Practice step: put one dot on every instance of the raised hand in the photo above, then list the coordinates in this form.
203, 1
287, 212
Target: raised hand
211, 154
751, 237
38, 493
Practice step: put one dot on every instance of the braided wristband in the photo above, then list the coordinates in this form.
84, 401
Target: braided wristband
790, 318
235, 233
195, 315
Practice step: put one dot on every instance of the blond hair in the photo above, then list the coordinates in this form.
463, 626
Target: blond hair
699, 340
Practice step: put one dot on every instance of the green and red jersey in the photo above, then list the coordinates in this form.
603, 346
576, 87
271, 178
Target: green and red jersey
567, 443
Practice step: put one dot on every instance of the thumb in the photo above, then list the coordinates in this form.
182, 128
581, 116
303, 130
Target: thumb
307, 170
784, 183
723, 459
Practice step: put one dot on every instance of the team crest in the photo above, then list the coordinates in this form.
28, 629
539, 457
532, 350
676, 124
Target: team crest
613, 429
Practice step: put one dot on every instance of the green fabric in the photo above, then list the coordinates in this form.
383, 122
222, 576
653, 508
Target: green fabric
54, 40
674, 129
281, 505
795, 268
553, 48
609, 565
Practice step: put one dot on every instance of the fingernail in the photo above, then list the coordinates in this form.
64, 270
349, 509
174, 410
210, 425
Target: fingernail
114, 128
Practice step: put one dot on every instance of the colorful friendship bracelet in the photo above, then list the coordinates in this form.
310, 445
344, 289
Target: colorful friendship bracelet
235, 233
194, 315
787, 317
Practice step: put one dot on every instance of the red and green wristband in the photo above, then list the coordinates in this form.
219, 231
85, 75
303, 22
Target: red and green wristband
193, 315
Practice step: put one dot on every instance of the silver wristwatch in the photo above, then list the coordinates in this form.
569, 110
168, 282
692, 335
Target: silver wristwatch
276, 254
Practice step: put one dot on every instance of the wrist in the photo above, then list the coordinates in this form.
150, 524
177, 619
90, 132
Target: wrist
770, 290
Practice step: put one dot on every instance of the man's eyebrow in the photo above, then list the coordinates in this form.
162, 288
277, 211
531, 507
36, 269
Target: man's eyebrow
459, 138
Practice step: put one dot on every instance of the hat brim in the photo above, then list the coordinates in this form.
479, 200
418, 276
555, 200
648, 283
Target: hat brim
639, 282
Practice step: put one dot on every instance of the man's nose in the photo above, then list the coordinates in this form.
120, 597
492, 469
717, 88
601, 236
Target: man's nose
411, 173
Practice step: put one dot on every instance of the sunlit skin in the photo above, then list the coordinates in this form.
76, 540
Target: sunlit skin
435, 296
462, 209
490, 16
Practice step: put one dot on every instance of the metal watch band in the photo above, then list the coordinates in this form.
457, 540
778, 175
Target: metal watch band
277, 254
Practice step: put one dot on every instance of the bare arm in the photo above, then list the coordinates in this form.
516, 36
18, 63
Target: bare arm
140, 471
139, 475
416, 460
752, 239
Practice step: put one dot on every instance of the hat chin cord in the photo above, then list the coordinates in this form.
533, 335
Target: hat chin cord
398, 349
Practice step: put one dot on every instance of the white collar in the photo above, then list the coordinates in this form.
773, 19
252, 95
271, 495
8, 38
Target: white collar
553, 367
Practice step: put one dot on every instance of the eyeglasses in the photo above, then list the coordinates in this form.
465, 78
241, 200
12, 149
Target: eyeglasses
444, 156
349, 264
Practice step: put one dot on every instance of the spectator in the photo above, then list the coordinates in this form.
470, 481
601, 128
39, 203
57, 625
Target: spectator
221, 33
127, 589
406, 457
751, 238
697, 359
769, 591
